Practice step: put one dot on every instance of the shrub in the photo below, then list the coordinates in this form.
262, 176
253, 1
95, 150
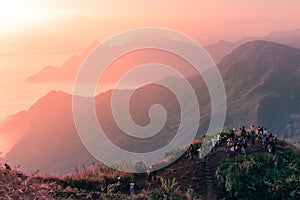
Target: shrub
260, 176
169, 187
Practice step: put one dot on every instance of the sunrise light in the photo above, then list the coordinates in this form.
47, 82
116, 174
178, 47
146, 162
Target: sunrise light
15, 15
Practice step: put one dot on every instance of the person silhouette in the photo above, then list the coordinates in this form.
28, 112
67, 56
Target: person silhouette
191, 151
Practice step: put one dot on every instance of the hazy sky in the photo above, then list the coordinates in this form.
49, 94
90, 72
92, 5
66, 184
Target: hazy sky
63, 26
36, 33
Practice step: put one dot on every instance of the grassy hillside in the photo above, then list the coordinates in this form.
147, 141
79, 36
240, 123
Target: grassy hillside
259, 175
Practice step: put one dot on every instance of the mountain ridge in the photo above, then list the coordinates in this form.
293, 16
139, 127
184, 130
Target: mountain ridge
67, 70
262, 84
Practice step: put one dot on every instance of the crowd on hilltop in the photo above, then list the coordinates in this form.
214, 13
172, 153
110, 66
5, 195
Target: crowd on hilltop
237, 140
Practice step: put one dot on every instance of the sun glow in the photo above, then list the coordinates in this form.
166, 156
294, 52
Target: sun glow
15, 15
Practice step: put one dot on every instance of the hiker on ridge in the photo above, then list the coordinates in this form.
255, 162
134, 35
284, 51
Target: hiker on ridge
243, 132
118, 184
191, 151
149, 175
131, 187
244, 146
252, 133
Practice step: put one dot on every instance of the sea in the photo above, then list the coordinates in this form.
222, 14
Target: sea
16, 94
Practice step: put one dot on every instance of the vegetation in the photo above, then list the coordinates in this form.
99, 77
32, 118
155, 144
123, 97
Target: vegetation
87, 183
14, 185
262, 175
255, 176
94, 182
170, 187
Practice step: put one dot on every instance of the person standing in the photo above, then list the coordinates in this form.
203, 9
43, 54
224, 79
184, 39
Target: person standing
191, 151
252, 133
200, 152
149, 175
131, 187
118, 184
244, 146
243, 132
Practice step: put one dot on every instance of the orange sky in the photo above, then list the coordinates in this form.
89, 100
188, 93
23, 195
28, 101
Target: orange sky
36, 33
70, 25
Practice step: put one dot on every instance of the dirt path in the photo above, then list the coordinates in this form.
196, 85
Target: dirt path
199, 174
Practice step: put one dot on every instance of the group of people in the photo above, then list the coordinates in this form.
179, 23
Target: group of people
238, 140
118, 185
151, 176
235, 141
210, 146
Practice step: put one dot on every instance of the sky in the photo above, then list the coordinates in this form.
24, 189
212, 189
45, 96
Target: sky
60, 26
35, 33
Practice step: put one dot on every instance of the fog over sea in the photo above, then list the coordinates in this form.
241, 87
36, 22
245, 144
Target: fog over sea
15, 93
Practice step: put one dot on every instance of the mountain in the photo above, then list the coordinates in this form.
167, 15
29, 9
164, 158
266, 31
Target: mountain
290, 38
220, 49
67, 71
49, 142
52, 145
262, 86
263, 83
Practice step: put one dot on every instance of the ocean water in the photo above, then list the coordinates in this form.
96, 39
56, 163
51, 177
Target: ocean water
15, 93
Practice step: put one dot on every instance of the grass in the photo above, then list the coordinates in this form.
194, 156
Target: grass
98, 181
94, 182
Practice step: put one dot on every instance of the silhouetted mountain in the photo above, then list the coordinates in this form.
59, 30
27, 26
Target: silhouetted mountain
290, 38
223, 48
67, 71
262, 84
51, 143
220, 49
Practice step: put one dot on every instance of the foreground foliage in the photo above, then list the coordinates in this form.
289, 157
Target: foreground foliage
262, 175
255, 176
95, 182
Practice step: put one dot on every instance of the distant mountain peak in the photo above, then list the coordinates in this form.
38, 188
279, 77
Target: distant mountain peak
261, 51
263, 43
55, 93
284, 33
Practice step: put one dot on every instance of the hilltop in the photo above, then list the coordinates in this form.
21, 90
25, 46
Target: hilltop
194, 178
